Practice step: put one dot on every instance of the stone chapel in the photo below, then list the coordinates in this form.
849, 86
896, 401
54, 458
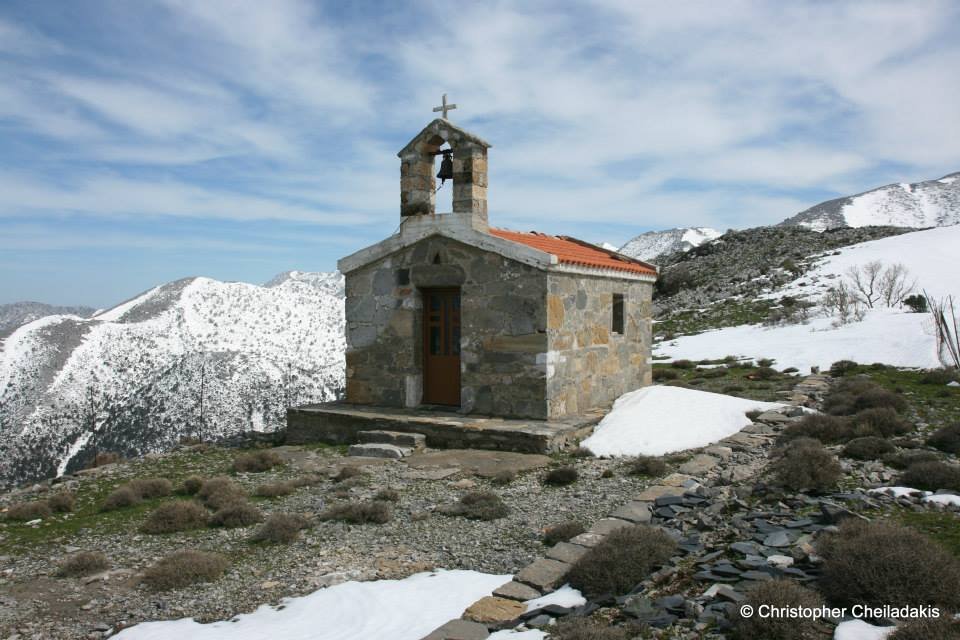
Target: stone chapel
450, 312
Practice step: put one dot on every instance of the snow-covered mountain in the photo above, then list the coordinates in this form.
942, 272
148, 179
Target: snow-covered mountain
932, 203
132, 379
650, 245
20, 313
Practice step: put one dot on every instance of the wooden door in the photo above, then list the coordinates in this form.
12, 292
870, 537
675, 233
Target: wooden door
441, 346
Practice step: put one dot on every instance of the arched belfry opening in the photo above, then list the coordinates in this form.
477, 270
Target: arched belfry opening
418, 169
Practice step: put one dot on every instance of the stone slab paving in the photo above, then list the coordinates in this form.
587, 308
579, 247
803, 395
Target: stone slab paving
543, 574
566, 552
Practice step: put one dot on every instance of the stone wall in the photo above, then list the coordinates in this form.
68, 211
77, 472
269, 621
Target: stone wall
589, 366
503, 328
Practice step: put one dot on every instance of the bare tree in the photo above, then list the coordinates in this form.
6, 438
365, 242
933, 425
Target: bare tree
895, 284
947, 330
844, 303
866, 282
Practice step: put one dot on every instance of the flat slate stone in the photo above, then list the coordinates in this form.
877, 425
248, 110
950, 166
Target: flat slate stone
459, 630
493, 610
517, 591
588, 539
376, 450
566, 552
680, 480
397, 438
543, 574
634, 511
606, 526
699, 464
657, 491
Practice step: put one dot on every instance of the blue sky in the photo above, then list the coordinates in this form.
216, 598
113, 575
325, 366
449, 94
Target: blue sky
142, 142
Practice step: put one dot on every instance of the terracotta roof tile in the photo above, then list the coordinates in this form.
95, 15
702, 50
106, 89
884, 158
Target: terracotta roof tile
576, 252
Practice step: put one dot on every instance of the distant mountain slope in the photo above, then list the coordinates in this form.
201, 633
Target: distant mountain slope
932, 203
652, 244
129, 379
20, 313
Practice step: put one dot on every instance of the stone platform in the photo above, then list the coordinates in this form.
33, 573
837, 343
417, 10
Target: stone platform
338, 423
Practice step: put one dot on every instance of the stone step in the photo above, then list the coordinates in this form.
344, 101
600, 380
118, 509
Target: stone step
416, 441
377, 450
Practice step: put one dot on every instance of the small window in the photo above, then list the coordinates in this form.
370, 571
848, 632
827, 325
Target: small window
617, 324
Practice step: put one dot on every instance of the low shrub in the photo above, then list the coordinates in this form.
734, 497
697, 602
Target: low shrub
842, 368
942, 628
764, 373
778, 593
179, 515
647, 466
946, 438
281, 528
148, 488
906, 459
257, 462
716, 372
504, 477
803, 464
791, 370
765, 362
582, 452
823, 427
479, 505
26, 511
236, 514
867, 448
374, 512
879, 399
876, 563
84, 563
387, 495
274, 490
931, 476
190, 486
620, 561
574, 628
660, 373
561, 476
120, 498
346, 473
104, 458
682, 364
562, 532
306, 480
218, 492
607, 473
881, 422
185, 568
916, 303
938, 376
62, 501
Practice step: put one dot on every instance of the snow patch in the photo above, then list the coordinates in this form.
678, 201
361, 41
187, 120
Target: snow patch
860, 630
397, 609
660, 419
565, 596
115, 313
74, 449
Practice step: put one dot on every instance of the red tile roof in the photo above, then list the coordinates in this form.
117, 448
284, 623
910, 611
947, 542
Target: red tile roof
576, 252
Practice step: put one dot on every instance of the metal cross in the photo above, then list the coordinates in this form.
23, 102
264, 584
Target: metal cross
445, 107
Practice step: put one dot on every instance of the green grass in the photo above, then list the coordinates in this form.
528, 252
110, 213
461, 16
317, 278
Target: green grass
943, 527
735, 381
726, 313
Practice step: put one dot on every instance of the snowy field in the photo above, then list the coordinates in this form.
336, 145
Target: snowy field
890, 336
397, 609
660, 419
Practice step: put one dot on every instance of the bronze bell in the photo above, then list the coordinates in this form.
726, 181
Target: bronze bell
446, 167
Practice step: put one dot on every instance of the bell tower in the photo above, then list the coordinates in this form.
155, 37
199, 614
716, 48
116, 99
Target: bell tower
418, 184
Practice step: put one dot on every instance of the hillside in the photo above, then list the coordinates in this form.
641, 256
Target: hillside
653, 244
134, 378
931, 203
20, 313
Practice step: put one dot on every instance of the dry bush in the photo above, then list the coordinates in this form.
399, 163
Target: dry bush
504, 477
906, 459
478, 505
764, 373
778, 593
939, 376
306, 480
26, 511
346, 473
375, 512
84, 563
931, 476
582, 452
185, 568
62, 501
237, 514
120, 498
620, 561
190, 486
879, 563
561, 476
148, 488
823, 427
840, 368
879, 398
179, 515
803, 464
562, 532
659, 373
274, 490
942, 628
881, 422
218, 492
281, 528
387, 495
647, 466
946, 438
868, 448
257, 462
573, 628
105, 458
682, 364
